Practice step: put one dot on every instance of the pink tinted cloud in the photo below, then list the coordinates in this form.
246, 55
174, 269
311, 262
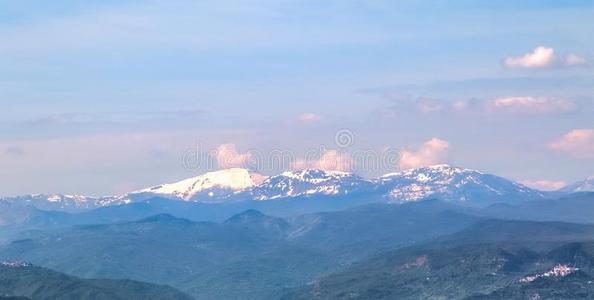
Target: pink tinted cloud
227, 156
531, 105
544, 185
330, 160
578, 143
433, 151
309, 118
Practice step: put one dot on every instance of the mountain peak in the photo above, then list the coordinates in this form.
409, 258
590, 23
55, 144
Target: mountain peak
252, 218
209, 184
451, 183
248, 215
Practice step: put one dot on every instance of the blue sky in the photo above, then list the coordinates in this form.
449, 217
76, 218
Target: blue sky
107, 96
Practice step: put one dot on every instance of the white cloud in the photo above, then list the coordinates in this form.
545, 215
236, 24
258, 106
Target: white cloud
531, 105
330, 160
544, 185
543, 57
578, 143
309, 118
539, 58
432, 152
227, 156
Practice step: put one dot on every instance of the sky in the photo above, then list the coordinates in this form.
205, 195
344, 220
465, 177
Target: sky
105, 97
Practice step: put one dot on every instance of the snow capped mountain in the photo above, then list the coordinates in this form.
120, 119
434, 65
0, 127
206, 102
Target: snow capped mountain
209, 186
587, 185
452, 184
443, 182
241, 184
308, 182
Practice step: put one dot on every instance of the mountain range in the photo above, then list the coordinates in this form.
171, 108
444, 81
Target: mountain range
460, 185
248, 256
432, 232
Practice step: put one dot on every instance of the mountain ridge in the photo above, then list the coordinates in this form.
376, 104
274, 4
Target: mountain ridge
236, 184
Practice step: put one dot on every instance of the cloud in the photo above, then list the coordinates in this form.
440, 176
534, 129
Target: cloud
15, 151
531, 105
578, 143
309, 118
404, 104
544, 185
574, 60
227, 156
539, 58
525, 104
330, 160
432, 152
542, 57
459, 105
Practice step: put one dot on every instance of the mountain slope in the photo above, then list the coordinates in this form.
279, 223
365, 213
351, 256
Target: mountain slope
587, 185
576, 208
25, 280
168, 250
369, 229
481, 261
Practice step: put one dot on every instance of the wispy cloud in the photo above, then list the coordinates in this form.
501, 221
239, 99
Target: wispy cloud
404, 104
117, 117
531, 105
578, 143
433, 151
543, 57
534, 105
